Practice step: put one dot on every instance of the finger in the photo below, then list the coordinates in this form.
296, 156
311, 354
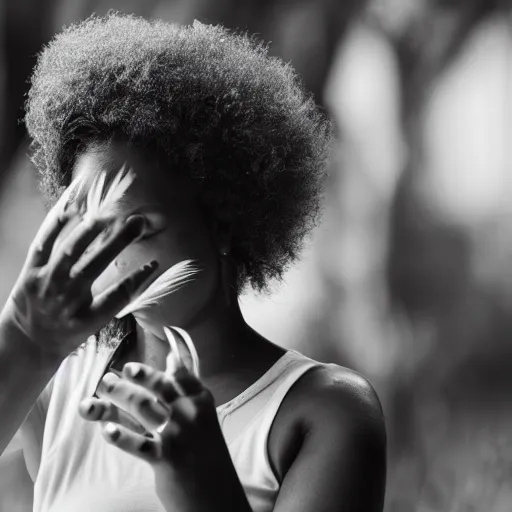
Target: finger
52, 225
73, 248
40, 251
103, 257
152, 380
146, 449
133, 399
76, 304
185, 412
116, 297
188, 382
99, 409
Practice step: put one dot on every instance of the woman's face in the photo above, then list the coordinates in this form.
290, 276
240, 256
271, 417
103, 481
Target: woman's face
175, 231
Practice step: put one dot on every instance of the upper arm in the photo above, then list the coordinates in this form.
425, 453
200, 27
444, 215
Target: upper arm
20, 460
341, 465
31, 431
16, 487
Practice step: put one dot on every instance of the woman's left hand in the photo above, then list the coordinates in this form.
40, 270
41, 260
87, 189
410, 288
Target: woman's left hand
190, 454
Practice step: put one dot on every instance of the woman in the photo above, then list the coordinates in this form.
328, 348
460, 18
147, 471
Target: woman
228, 155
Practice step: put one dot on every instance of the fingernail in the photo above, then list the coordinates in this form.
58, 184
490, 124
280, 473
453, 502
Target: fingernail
135, 372
108, 381
112, 431
116, 372
151, 265
110, 376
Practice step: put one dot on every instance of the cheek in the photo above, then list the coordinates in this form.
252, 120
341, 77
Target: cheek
167, 250
107, 278
124, 264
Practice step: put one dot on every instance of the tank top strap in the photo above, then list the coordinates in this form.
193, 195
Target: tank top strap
261, 401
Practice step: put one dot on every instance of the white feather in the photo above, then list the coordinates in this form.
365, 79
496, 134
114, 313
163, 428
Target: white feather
170, 281
101, 203
174, 359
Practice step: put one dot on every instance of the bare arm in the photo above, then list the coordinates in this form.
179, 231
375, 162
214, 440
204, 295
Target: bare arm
24, 373
36, 331
341, 466
16, 485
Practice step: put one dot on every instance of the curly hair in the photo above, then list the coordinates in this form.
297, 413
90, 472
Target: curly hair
210, 103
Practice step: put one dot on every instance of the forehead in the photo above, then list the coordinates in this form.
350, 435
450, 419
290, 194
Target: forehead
152, 181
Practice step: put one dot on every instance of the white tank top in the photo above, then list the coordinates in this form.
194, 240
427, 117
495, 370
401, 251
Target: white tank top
74, 468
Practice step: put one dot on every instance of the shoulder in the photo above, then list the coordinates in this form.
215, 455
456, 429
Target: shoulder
340, 455
337, 395
330, 403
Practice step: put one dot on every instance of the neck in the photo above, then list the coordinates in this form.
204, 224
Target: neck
220, 335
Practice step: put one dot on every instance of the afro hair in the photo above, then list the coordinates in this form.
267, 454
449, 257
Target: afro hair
209, 102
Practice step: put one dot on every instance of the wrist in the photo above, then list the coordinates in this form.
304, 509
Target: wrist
14, 339
201, 490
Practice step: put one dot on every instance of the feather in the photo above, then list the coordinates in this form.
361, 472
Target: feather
174, 359
101, 201
170, 281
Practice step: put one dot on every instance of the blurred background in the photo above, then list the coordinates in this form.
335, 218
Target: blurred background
408, 278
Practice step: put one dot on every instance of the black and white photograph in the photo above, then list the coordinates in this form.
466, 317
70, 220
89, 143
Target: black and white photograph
255, 256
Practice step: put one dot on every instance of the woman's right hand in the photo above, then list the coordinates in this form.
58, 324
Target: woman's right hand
51, 303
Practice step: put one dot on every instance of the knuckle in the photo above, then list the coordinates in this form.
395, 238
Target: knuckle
166, 390
105, 412
38, 249
145, 403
